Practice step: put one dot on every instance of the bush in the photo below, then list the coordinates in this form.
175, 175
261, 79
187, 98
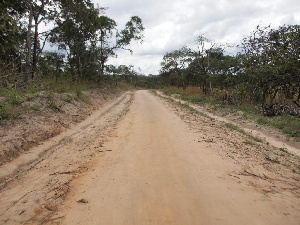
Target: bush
262, 121
36, 107
12, 96
6, 111
55, 107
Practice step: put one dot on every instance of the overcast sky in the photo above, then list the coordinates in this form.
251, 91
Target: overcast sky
170, 24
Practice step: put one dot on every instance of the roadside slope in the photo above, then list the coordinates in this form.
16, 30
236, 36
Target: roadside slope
44, 115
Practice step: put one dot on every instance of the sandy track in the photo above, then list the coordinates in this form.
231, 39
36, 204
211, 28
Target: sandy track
33, 185
161, 170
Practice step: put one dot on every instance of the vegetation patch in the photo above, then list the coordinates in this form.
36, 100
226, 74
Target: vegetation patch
55, 107
12, 96
6, 111
289, 125
258, 139
283, 150
236, 128
68, 98
247, 142
262, 121
36, 107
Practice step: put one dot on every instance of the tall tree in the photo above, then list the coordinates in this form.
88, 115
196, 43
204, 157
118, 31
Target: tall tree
177, 61
111, 39
42, 11
29, 6
75, 27
206, 54
106, 28
271, 61
11, 36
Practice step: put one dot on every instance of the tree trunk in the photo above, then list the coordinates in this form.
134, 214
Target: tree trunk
298, 98
116, 80
101, 72
211, 89
101, 59
79, 69
264, 95
35, 48
274, 96
204, 86
182, 81
28, 43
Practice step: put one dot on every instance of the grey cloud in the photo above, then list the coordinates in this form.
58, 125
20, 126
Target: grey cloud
171, 24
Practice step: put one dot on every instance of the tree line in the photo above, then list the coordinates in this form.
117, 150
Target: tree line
265, 70
83, 34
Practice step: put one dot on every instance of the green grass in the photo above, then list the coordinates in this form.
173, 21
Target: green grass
81, 96
6, 111
247, 142
55, 107
187, 106
257, 139
68, 98
36, 107
11, 99
288, 125
283, 150
236, 128
171, 92
12, 96
262, 121
240, 130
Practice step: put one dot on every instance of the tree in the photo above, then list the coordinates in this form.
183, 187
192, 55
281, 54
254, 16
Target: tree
42, 11
52, 64
11, 40
29, 6
205, 55
106, 28
177, 61
84, 30
133, 31
270, 59
11, 36
75, 28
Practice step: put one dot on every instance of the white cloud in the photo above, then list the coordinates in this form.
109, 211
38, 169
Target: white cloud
170, 24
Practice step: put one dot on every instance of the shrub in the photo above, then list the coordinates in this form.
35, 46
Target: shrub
6, 111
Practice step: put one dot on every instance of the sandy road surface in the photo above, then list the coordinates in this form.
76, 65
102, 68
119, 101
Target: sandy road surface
159, 169
142, 160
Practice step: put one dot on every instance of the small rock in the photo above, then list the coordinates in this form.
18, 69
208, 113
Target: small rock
83, 200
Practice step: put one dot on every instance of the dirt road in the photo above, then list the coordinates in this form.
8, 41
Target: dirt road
159, 173
162, 165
